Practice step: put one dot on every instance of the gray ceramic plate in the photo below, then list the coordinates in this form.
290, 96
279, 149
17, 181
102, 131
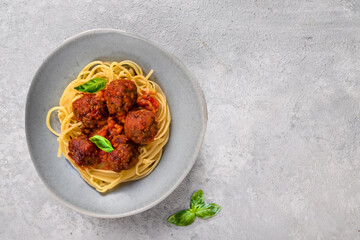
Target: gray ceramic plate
187, 106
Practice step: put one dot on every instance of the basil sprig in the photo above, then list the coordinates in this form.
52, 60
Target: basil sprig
92, 86
102, 143
198, 208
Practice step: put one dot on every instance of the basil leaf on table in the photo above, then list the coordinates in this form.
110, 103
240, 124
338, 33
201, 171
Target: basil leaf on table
197, 208
102, 143
197, 200
182, 218
92, 86
208, 210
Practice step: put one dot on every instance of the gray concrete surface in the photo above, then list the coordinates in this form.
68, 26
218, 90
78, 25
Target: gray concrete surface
281, 152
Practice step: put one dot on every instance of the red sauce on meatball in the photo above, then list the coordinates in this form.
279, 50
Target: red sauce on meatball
111, 130
83, 151
141, 126
91, 110
120, 96
148, 102
114, 128
119, 139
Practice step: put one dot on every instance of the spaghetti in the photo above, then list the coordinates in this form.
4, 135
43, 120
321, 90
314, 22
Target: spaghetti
149, 155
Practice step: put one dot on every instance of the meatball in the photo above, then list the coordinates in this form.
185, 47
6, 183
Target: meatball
123, 157
91, 110
120, 96
83, 151
141, 126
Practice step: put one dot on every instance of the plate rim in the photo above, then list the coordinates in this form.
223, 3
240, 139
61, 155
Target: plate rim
193, 159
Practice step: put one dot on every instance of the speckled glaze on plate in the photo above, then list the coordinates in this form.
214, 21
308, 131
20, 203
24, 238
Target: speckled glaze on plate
187, 129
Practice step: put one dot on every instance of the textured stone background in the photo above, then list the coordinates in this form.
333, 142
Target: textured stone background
281, 79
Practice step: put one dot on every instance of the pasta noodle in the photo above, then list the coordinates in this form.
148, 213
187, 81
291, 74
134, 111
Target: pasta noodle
150, 154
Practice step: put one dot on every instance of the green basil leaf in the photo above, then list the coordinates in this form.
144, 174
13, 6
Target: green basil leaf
102, 143
208, 210
93, 85
197, 200
182, 218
